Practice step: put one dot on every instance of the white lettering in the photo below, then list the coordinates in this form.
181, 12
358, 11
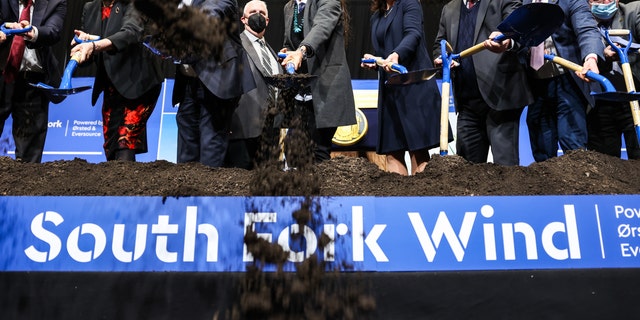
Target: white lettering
443, 228
140, 243
208, 230
629, 213
250, 219
73, 242
38, 230
164, 228
629, 251
371, 240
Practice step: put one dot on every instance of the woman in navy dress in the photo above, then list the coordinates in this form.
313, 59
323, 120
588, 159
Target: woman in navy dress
408, 115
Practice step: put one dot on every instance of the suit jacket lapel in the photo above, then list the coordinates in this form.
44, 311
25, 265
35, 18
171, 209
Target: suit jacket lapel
39, 8
455, 23
253, 54
93, 24
288, 18
482, 12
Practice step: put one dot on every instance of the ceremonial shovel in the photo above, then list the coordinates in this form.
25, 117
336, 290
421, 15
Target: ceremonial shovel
57, 95
524, 26
626, 71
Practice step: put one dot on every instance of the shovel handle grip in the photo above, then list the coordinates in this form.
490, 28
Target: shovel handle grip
379, 61
8, 31
291, 69
91, 39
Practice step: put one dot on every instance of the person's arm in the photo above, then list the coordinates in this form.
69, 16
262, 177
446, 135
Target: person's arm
49, 33
411, 30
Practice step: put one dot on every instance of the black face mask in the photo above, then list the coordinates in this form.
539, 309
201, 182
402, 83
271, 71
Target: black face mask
257, 22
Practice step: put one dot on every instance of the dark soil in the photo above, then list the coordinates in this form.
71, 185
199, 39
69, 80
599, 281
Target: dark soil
576, 173
313, 291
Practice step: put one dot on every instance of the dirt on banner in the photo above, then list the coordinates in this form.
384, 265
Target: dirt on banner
576, 173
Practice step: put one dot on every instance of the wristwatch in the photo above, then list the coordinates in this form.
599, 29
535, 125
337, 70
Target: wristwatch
303, 50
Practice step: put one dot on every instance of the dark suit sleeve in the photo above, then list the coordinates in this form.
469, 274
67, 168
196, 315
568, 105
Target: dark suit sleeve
221, 8
131, 31
412, 29
325, 20
586, 29
49, 32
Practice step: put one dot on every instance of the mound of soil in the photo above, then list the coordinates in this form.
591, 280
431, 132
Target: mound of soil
576, 173
313, 292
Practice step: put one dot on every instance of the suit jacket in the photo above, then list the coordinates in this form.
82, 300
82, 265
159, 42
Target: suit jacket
131, 68
226, 79
577, 37
502, 79
248, 118
47, 17
324, 35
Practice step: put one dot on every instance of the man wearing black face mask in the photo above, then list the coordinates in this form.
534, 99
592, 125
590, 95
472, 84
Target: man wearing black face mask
609, 121
248, 123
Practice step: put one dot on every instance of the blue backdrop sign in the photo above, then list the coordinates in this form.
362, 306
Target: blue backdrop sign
368, 233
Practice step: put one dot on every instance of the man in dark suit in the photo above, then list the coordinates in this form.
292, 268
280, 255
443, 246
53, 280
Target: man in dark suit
208, 92
248, 123
609, 120
562, 98
314, 39
490, 88
28, 106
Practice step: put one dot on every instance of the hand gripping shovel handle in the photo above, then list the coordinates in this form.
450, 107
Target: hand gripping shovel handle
604, 82
8, 32
290, 67
91, 39
380, 62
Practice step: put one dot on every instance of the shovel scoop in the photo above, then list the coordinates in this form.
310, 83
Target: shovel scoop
57, 95
290, 80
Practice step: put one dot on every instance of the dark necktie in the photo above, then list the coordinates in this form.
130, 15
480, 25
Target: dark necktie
265, 57
17, 48
266, 63
301, 7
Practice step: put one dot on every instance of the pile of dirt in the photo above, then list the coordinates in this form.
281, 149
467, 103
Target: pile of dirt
576, 173
314, 291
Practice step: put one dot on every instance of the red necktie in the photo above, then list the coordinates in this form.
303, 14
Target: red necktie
17, 48
470, 4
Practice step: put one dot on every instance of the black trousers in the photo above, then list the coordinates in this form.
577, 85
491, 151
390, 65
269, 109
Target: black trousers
204, 121
607, 123
480, 127
29, 109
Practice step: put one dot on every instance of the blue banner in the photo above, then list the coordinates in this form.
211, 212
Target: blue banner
206, 234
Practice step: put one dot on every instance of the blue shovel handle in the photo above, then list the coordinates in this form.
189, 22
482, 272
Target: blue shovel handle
395, 67
93, 38
7, 31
